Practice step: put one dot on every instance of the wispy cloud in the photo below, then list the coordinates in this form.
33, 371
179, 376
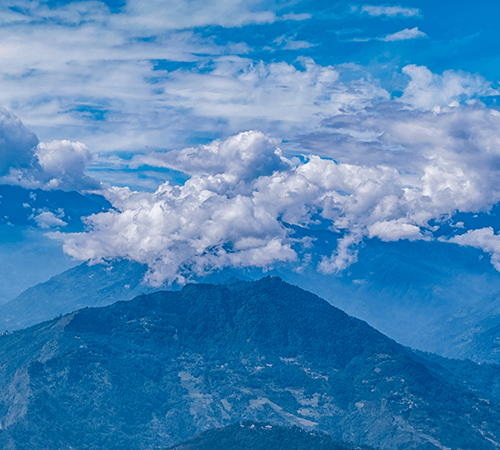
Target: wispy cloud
403, 35
388, 11
289, 43
66, 65
296, 17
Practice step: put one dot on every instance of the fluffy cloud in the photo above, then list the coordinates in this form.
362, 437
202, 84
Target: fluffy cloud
427, 90
412, 166
454, 153
64, 164
212, 221
27, 162
47, 220
242, 157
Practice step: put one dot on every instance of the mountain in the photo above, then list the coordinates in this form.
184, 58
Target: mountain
27, 255
262, 436
81, 286
433, 296
84, 285
157, 370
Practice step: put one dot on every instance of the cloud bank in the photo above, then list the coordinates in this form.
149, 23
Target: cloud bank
388, 170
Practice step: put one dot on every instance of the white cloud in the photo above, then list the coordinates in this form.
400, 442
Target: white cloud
27, 162
47, 219
243, 157
234, 209
343, 257
427, 90
65, 164
390, 11
103, 88
212, 221
181, 14
394, 230
297, 17
274, 97
65, 65
403, 35
93, 73
143, 15
289, 43
400, 163
485, 239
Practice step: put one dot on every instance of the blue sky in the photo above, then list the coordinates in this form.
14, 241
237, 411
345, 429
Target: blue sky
374, 119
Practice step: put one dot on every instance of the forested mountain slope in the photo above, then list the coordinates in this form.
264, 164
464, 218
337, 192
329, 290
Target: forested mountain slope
163, 367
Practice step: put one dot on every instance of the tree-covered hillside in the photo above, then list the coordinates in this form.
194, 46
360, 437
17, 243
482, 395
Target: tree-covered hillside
163, 367
249, 435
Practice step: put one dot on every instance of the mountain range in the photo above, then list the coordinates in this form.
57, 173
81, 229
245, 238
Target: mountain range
157, 370
437, 297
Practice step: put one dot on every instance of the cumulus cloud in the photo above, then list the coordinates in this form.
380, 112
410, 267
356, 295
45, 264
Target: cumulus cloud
403, 35
427, 90
47, 219
27, 162
389, 11
394, 230
64, 163
244, 157
345, 255
409, 166
455, 151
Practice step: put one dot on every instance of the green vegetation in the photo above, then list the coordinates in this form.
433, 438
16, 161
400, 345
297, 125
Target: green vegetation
249, 435
159, 369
